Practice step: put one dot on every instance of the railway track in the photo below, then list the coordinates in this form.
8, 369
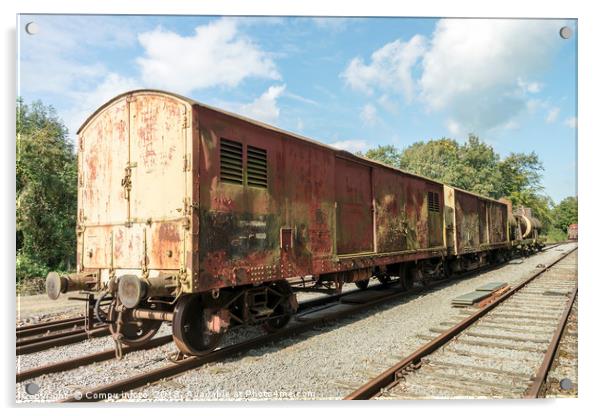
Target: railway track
504, 350
42, 336
39, 337
311, 314
157, 342
372, 297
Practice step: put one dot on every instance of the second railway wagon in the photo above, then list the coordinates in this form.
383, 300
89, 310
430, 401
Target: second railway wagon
190, 214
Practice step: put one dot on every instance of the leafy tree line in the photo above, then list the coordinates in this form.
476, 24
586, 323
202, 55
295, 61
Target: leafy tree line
476, 167
46, 192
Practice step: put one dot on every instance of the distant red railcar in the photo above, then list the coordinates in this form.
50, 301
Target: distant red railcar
572, 232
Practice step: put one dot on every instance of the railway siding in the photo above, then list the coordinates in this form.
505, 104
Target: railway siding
499, 355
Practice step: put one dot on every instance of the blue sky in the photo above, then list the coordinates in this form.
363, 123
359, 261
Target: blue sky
354, 83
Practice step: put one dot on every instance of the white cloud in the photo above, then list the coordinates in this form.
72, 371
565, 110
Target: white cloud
300, 98
479, 73
535, 104
473, 67
390, 68
552, 115
84, 103
571, 122
511, 125
55, 60
386, 102
265, 108
368, 114
300, 124
216, 55
352, 146
453, 127
529, 87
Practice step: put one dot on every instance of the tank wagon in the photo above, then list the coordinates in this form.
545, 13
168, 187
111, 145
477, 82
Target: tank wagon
193, 215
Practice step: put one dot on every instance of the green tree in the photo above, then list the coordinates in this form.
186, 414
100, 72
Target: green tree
46, 185
565, 213
388, 155
436, 159
520, 172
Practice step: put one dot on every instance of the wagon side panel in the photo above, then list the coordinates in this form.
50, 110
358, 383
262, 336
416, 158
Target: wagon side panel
467, 222
353, 195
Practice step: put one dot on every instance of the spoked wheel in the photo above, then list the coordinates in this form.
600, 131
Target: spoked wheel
191, 331
133, 332
362, 284
283, 310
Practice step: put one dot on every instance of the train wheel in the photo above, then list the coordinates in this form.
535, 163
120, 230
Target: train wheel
405, 281
130, 331
191, 332
362, 284
283, 310
384, 279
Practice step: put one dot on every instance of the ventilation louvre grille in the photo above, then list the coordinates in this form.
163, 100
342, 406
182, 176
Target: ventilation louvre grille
257, 167
433, 202
230, 162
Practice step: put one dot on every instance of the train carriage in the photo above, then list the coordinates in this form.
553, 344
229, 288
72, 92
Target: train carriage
190, 214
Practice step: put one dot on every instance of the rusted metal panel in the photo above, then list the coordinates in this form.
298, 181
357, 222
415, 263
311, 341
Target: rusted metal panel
498, 222
467, 222
481, 223
394, 226
158, 157
435, 205
353, 194
134, 201
239, 237
449, 216
103, 156
403, 218
159, 164
103, 151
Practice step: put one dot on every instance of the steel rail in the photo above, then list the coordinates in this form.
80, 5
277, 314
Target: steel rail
389, 376
27, 330
47, 337
45, 344
100, 392
537, 387
88, 359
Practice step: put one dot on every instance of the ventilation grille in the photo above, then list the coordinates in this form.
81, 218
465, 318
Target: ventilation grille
257, 167
230, 160
433, 201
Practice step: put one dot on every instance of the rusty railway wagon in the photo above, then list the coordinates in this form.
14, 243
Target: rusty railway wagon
193, 215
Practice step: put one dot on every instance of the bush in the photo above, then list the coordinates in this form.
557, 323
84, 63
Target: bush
555, 235
28, 269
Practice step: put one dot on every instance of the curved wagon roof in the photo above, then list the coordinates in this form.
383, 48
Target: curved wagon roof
339, 152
